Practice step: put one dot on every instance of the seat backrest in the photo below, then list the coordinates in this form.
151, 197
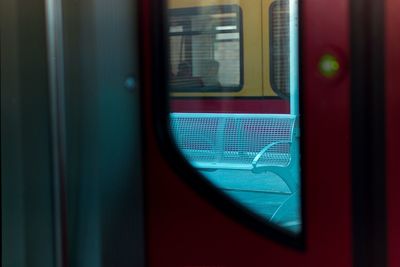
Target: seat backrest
227, 138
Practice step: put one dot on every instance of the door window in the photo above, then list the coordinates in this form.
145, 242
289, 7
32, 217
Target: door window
253, 157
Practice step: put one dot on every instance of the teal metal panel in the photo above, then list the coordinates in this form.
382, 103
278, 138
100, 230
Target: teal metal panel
27, 211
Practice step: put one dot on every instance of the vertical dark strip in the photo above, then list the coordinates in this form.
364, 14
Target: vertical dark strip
368, 133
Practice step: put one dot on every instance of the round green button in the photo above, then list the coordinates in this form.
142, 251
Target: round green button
328, 66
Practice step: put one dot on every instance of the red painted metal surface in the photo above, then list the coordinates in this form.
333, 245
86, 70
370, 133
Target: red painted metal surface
240, 105
184, 230
393, 128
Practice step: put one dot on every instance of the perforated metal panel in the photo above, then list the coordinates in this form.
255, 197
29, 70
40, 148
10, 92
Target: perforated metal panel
233, 140
279, 47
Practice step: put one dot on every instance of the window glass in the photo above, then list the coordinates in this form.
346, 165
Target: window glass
247, 147
205, 48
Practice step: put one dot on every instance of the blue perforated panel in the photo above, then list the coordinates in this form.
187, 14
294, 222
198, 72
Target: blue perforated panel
233, 140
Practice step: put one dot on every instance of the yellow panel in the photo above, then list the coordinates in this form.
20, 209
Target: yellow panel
267, 89
252, 46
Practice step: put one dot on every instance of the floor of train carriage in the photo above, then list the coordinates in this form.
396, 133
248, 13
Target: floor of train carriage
263, 193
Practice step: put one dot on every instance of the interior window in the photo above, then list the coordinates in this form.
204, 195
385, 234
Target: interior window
205, 49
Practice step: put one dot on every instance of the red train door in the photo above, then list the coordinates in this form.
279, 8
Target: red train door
186, 230
189, 228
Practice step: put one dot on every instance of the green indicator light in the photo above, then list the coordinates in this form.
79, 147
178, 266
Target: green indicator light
328, 66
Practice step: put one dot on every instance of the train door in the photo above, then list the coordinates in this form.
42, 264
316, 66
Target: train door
104, 183
190, 221
71, 191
